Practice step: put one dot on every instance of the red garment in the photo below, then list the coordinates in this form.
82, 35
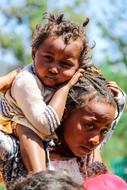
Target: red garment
105, 182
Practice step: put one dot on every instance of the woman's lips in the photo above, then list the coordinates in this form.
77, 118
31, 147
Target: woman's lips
85, 149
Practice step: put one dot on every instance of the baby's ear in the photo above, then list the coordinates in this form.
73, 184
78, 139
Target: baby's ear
33, 52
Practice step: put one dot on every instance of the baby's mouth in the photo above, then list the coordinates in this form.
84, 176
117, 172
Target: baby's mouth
52, 76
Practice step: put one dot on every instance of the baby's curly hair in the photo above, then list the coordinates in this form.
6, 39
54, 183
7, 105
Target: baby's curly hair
70, 31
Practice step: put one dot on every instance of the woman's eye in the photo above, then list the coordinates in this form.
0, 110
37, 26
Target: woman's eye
104, 131
89, 126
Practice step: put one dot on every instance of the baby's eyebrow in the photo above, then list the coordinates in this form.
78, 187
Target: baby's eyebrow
48, 51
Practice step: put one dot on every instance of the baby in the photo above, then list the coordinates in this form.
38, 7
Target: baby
33, 107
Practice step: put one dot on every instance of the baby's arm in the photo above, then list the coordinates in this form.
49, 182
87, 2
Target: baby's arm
120, 97
29, 98
58, 100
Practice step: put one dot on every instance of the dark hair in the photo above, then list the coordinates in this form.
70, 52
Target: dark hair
96, 168
47, 180
70, 31
92, 85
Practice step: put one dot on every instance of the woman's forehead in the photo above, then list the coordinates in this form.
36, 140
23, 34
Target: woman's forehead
95, 110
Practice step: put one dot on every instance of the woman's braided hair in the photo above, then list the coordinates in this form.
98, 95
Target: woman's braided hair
96, 168
92, 86
70, 31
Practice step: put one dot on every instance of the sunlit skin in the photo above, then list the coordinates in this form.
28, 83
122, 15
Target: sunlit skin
85, 128
55, 62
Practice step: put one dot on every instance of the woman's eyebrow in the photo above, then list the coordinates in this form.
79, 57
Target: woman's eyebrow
108, 125
90, 118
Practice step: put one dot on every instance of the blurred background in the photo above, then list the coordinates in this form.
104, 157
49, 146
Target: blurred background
108, 27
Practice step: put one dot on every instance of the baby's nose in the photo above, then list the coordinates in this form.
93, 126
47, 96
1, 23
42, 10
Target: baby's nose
95, 140
54, 70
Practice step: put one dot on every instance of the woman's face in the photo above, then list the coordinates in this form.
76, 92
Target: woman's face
85, 128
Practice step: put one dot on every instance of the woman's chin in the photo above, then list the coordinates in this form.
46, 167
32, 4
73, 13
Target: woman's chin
82, 152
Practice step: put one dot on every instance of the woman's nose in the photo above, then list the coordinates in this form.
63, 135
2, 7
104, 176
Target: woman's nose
95, 140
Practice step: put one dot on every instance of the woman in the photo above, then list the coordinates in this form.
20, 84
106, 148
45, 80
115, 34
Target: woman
89, 119
6, 81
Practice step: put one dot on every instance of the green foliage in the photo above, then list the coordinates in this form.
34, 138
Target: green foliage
27, 14
34, 11
114, 74
2, 187
114, 66
113, 29
116, 146
73, 10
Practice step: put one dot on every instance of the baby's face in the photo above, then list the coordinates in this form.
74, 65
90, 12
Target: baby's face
55, 62
86, 127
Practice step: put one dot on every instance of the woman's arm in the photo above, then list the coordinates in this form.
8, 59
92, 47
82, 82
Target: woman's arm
6, 80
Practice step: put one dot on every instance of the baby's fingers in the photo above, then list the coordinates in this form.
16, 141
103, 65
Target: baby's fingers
114, 88
112, 84
76, 76
81, 70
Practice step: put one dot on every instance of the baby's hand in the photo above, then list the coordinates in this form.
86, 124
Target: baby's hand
76, 77
114, 88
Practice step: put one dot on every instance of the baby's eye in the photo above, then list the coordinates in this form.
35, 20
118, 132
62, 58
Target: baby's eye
48, 58
65, 64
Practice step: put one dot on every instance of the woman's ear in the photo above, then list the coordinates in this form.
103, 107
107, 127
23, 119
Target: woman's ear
33, 53
65, 114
